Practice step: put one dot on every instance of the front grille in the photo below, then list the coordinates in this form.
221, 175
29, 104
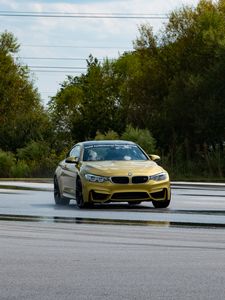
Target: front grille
130, 196
120, 179
139, 179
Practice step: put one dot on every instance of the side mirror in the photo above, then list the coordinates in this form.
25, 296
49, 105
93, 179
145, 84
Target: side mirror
154, 157
72, 160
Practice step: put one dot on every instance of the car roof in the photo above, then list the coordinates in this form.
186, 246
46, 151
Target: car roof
107, 142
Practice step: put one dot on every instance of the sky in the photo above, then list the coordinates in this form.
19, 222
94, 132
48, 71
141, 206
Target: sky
56, 46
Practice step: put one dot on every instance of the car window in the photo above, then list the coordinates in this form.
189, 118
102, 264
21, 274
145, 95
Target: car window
113, 152
75, 152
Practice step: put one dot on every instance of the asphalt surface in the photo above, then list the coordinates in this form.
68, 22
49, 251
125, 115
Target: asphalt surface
112, 251
197, 203
94, 262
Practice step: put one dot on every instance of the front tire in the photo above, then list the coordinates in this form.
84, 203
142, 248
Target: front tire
59, 200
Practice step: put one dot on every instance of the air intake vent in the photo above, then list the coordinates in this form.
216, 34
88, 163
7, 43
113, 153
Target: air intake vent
130, 196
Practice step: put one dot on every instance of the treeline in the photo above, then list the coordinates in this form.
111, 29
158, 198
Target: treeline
169, 90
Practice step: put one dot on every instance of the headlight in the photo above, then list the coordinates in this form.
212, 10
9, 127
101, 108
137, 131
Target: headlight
95, 178
159, 177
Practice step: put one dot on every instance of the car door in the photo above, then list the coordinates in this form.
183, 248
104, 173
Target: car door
69, 173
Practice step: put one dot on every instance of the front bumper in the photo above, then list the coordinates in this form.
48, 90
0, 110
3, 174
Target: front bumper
111, 192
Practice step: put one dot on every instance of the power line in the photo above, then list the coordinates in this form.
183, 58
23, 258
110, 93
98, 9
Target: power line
73, 46
54, 58
82, 15
54, 71
66, 68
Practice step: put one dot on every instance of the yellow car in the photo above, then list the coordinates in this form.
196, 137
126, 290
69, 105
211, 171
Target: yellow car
110, 171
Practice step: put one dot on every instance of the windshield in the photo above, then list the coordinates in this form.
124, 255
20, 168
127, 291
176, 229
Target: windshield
113, 152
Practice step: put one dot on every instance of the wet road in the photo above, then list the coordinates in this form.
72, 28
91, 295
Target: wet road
191, 204
94, 262
46, 254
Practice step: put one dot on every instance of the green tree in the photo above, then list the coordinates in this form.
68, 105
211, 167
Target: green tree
22, 116
87, 103
65, 110
143, 83
7, 162
110, 135
195, 107
171, 84
8, 43
143, 137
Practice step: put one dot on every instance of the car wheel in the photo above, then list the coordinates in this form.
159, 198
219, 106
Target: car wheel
59, 200
161, 203
134, 202
79, 194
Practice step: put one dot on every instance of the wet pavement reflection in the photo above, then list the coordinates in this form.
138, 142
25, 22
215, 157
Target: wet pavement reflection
191, 205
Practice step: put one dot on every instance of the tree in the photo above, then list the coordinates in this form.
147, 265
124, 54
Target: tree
195, 107
171, 84
87, 103
8, 43
22, 117
142, 137
65, 110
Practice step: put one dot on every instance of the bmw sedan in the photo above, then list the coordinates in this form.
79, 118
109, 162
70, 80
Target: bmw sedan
110, 171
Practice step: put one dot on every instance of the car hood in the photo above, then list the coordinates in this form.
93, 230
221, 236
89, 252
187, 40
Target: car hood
121, 168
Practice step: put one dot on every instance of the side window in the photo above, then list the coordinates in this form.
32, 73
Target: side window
75, 151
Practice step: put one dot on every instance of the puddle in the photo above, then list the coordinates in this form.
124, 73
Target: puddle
9, 193
202, 195
24, 188
192, 212
23, 218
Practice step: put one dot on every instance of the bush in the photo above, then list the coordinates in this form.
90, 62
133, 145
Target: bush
208, 165
21, 170
36, 160
45, 167
110, 135
142, 137
33, 151
7, 161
